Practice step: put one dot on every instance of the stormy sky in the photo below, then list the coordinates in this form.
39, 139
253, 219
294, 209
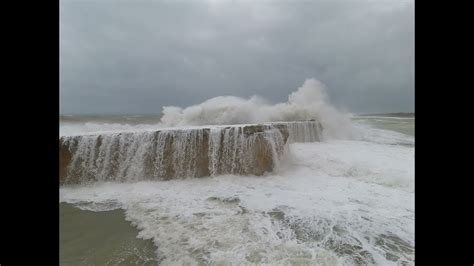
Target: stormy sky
134, 57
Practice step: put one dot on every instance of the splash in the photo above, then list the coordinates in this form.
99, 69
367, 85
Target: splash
310, 101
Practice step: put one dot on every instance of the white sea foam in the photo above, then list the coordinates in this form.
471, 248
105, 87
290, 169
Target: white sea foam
383, 117
364, 132
344, 201
309, 101
324, 206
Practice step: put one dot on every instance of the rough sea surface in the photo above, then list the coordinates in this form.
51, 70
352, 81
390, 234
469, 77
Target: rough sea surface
342, 201
346, 200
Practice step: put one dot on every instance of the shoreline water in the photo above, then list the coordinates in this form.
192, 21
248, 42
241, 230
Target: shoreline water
324, 175
100, 238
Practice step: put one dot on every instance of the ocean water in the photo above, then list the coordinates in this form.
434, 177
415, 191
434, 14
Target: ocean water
101, 238
335, 202
345, 200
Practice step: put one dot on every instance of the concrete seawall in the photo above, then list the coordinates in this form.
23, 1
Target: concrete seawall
178, 153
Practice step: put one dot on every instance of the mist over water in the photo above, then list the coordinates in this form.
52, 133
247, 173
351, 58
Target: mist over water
345, 200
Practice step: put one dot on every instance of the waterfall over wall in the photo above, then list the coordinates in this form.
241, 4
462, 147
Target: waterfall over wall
180, 153
304, 131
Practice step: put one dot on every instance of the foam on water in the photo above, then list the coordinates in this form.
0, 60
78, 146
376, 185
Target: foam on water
343, 201
310, 101
365, 132
324, 206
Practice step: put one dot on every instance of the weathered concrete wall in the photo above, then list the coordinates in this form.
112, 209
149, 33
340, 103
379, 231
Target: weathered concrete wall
180, 153
169, 154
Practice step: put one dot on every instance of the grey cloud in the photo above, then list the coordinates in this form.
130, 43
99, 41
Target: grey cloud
137, 56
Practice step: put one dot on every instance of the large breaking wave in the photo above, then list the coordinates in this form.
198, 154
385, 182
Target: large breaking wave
310, 101
335, 202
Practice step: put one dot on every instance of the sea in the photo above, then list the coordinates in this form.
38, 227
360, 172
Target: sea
335, 202
347, 199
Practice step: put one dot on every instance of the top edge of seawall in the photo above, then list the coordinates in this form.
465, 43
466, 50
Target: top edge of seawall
178, 128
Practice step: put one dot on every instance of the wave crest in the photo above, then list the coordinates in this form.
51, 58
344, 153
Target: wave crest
310, 101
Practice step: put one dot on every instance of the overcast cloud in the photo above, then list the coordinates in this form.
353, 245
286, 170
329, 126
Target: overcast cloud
137, 56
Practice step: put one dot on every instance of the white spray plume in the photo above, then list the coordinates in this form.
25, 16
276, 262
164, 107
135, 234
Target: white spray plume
309, 101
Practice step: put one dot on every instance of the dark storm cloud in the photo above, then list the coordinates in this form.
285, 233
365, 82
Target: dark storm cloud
137, 56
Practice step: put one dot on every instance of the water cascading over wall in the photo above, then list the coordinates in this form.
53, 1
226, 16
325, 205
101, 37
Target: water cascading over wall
303, 131
179, 153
